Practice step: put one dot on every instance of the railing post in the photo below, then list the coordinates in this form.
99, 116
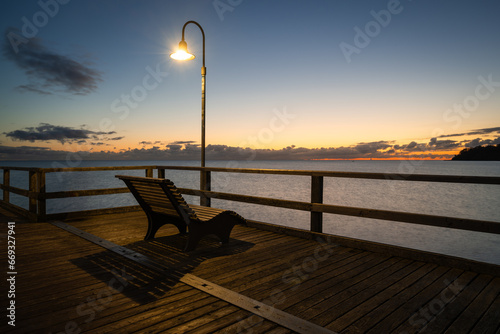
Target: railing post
33, 193
161, 173
149, 172
317, 197
6, 182
42, 202
205, 184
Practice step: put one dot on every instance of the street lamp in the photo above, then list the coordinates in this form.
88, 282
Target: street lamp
183, 54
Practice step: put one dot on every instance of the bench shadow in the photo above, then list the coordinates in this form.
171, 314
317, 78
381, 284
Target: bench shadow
145, 285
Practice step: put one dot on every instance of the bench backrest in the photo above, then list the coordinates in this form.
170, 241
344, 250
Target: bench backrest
158, 195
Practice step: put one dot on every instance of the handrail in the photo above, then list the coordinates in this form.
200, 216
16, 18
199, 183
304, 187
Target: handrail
17, 191
405, 217
76, 169
37, 194
80, 193
357, 175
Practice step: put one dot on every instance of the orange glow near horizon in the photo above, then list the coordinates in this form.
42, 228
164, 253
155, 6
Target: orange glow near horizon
393, 158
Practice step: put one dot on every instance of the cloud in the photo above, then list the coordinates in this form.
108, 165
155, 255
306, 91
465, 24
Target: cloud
49, 71
412, 145
443, 144
190, 150
150, 142
484, 131
32, 88
213, 152
10, 149
481, 142
63, 134
174, 147
29, 153
372, 147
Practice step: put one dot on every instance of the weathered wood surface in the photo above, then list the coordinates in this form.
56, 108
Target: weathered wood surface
263, 310
37, 194
65, 282
364, 175
358, 175
162, 203
406, 217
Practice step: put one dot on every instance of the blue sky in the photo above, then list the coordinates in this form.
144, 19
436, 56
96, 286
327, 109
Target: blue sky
285, 79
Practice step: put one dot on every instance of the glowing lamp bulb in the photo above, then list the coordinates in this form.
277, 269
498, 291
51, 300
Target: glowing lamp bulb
182, 53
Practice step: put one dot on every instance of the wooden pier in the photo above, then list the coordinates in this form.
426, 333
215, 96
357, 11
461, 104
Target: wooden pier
92, 272
69, 284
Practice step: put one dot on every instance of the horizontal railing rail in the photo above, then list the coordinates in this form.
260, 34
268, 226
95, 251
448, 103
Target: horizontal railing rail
356, 175
37, 194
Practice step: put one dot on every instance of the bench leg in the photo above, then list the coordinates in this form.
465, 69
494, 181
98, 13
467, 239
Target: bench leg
220, 225
155, 221
200, 230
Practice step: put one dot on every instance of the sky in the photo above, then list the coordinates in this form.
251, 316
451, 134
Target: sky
408, 79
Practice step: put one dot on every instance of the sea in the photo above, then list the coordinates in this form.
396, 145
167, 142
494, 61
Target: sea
473, 201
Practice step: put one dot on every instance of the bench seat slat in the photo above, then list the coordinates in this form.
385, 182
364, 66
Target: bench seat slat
165, 211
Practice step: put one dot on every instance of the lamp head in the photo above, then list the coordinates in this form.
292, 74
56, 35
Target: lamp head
182, 53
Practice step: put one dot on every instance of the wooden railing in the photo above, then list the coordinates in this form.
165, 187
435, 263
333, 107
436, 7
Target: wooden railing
38, 195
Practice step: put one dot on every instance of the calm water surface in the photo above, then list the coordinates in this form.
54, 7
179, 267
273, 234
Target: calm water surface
456, 200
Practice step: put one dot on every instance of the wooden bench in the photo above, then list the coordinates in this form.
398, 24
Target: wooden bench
164, 204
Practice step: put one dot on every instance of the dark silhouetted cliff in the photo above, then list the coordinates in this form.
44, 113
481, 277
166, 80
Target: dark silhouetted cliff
480, 153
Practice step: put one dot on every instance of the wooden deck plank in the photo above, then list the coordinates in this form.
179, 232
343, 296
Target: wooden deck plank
157, 317
350, 289
239, 278
291, 286
227, 295
432, 310
204, 318
220, 321
310, 295
125, 309
374, 302
132, 297
387, 307
190, 320
475, 310
489, 322
410, 308
285, 277
249, 323
277, 331
82, 297
451, 311
339, 294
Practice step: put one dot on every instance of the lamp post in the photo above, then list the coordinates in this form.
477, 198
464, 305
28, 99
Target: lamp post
183, 54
